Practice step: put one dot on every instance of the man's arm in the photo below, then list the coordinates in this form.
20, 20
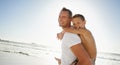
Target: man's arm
81, 54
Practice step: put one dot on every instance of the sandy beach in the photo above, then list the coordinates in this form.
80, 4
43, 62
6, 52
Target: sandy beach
12, 53
19, 59
24, 54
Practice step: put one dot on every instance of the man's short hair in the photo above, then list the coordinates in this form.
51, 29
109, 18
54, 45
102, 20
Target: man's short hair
79, 15
69, 11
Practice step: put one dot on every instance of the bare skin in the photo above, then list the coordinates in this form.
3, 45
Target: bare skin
85, 35
59, 60
78, 49
80, 52
87, 40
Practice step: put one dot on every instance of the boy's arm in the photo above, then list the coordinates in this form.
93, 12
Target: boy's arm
71, 30
76, 31
81, 54
60, 35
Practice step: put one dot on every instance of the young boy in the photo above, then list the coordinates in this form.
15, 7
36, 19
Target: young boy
87, 39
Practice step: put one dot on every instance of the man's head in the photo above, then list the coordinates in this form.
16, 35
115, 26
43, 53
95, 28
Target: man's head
65, 18
78, 21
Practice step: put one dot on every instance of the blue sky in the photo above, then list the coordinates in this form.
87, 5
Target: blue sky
35, 21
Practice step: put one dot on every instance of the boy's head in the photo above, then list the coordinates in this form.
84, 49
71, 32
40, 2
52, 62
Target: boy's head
78, 21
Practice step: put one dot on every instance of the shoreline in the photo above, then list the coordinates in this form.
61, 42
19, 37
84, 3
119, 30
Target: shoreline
19, 59
33, 54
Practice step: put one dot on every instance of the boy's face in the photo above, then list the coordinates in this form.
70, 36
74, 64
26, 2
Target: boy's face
78, 23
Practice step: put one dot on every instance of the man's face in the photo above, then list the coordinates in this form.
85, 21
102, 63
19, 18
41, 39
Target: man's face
78, 23
64, 19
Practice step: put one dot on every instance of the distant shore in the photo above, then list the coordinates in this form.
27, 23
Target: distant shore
14, 53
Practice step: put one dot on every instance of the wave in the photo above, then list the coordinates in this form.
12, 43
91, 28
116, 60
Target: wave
109, 56
23, 53
33, 49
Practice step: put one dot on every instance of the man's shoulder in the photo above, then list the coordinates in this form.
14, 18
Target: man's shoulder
71, 39
69, 33
71, 36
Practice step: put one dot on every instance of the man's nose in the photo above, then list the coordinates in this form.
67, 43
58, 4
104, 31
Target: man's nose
61, 20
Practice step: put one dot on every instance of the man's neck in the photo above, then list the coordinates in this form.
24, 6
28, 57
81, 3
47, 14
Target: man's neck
66, 26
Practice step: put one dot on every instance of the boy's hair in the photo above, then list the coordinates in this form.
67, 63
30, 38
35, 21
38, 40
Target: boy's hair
69, 11
79, 15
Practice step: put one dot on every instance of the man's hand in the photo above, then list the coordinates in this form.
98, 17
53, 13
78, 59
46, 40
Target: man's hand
58, 60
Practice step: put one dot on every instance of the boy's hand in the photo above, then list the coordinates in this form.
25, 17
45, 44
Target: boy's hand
60, 35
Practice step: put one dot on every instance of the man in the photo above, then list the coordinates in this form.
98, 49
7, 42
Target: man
71, 43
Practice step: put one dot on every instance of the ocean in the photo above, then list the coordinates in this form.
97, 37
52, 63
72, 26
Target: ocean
38, 54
